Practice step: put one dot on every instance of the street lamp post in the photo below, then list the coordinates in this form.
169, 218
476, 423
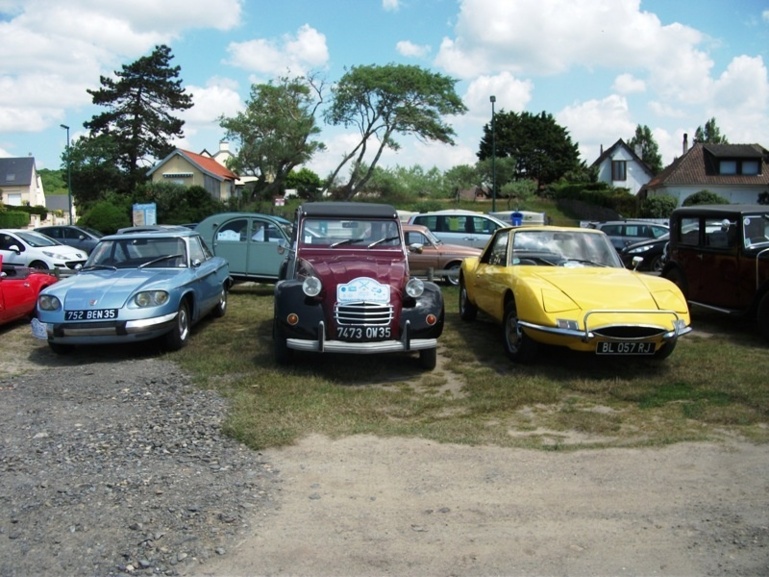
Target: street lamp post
493, 99
69, 173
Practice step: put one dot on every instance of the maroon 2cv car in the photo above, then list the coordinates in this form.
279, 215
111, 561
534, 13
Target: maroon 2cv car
346, 288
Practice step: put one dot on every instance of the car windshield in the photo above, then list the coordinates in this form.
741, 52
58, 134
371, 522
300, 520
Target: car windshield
575, 246
151, 251
337, 232
756, 229
36, 240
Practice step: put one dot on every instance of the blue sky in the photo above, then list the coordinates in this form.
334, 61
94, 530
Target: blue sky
600, 67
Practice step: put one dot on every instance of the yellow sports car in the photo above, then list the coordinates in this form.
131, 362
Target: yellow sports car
567, 287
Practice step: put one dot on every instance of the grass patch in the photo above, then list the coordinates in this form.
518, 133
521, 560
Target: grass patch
713, 386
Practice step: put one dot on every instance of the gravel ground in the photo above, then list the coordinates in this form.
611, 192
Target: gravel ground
118, 466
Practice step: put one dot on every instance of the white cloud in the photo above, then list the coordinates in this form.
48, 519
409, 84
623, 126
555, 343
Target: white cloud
391, 5
407, 48
597, 122
295, 54
765, 15
627, 84
512, 95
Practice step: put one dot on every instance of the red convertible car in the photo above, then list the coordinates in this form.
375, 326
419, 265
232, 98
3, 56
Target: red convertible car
19, 287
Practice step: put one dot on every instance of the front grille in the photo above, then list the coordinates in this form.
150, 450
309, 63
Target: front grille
629, 332
71, 264
363, 314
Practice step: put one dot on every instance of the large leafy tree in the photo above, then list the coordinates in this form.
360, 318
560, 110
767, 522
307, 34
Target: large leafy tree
140, 103
95, 169
643, 139
542, 150
710, 134
385, 101
274, 134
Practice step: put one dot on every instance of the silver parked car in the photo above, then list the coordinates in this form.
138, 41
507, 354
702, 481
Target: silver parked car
464, 227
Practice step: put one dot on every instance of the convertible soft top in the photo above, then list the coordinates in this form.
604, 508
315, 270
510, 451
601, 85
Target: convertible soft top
348, 209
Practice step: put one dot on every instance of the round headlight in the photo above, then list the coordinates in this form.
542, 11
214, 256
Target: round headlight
415, 287
312, 286
48, 303
151, 298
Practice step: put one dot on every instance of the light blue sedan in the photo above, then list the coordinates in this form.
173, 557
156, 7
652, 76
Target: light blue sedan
135, 287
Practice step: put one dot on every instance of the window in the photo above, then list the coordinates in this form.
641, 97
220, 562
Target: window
619, 170
727, 167
750, 167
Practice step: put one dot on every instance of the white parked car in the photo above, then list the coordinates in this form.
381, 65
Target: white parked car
35, 250
463, 227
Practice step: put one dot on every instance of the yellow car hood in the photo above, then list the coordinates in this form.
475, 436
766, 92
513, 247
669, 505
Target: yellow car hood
593, 288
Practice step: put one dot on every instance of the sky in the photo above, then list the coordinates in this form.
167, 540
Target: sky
599, 67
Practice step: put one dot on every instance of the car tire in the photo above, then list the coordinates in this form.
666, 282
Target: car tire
428, 358
762, 316
665, 351
656, 264
60, 349
221, 307
39, 265
283, 355
179, 335
452, 276
676, 276
520, 348
467, 310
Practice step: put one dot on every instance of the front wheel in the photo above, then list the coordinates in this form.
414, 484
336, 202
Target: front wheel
428, 358
179, 335
665, 351
39, 265
518, 345
283, 354
467, 310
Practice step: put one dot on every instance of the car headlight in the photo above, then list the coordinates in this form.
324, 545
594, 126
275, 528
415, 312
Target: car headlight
639, 249
312, 286
48, 303
415, 287
150, 298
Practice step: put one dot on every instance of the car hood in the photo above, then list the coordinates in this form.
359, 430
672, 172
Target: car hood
333, 271
107, 288
593, 288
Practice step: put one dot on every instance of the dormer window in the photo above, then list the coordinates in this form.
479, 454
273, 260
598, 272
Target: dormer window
745, 167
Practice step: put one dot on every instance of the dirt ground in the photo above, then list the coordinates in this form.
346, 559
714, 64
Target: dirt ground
366, 506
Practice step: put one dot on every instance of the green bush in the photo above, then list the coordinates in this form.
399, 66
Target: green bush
106, 217
704, 197
14, 219
658, 206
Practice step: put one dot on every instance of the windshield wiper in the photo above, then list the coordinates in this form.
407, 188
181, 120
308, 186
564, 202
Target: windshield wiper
99, 267
160, 259
347, 241
381, 240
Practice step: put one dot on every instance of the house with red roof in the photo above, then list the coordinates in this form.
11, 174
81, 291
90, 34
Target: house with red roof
192, 169
737, 172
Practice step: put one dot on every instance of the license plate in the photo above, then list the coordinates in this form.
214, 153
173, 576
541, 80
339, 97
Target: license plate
624, 348
362, 333
91, 315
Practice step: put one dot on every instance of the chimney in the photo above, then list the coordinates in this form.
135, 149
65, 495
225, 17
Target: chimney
224, 146
686, 143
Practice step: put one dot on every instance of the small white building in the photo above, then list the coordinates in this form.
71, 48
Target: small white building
621, 167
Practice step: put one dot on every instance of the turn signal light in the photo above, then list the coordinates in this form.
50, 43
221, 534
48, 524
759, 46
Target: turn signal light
292, 319
431, 319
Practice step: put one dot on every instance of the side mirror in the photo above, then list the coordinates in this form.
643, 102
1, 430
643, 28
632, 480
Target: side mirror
14, 248
725, 224
637, 260
416, 248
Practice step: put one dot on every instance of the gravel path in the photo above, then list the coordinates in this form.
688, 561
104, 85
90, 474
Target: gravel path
119, 467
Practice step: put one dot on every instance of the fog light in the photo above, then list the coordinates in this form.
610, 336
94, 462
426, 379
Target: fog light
292, 319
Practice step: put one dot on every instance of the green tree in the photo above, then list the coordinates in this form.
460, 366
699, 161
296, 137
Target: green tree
274, 133
459, 178
385, 101
54, 181
306, 183
710, 134
643, 139
542, 150
179, 204
94, 170
140, 104
107, 215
